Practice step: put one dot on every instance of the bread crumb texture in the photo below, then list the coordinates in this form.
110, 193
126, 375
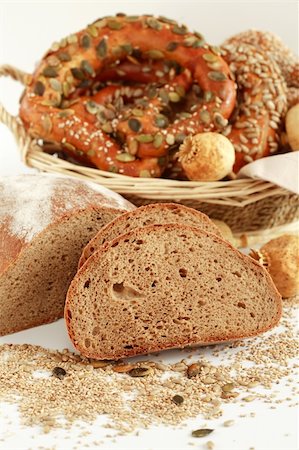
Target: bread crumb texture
83, 389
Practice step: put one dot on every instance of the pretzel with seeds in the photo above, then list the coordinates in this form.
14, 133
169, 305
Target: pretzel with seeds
78, 97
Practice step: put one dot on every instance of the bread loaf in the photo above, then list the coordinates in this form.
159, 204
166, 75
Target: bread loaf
156, 213
45, 221
166, 286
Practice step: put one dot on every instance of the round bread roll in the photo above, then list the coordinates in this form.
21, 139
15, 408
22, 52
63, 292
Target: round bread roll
282, 255
207, 156
292, 127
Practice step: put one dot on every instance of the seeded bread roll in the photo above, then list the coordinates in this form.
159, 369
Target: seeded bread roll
167, 286
156, 213
45, 221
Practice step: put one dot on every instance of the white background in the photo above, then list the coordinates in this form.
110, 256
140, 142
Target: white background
27, 29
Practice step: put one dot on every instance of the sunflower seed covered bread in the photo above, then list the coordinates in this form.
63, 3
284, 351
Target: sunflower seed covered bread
45, 221
167, 286
156, 213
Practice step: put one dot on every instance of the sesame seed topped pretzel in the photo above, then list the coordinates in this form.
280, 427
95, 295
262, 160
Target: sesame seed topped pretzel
119, 94
261, 104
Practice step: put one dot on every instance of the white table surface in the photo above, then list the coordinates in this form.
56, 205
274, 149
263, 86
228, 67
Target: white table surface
27, 29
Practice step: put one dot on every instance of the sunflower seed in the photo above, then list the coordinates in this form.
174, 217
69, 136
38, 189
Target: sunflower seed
177, 399
39, 88
123, 368
217, 76
193, 370
201, 432
228, 387
141, 371
101, 48
134, 124
50, 72
171, 46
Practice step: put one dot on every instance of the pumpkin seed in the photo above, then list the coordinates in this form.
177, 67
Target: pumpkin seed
85, 41
179, 29
94, 363
72, 39
91, 153
55, 84
162, 161
127, 48
174, 97
113, 169
66, 113
114, 25
92, 30
161, 121
53, 61
154, 54
205, 117
92, 107
107, 127
217, 76
86, 66
77, 73
39, 88
133, 147
210, 57
134, 124
202, 432
137, 112
179, 139
145, 174
101, 48
199, 35
158, 139
171, 46
69, 146
123, 368
125, 157
177, 399
59, 372
153, 23
215, 65
65, 88
166, 20
193, 370
141, 372
208, 96
189, 41
52, 102
152, 92
132, 18
50, 72
219, 120
180, 90
199, 43
215, 49
163, 94
145, 138
170, 139
228, 387
101, 23
55, 46
64, 56
47, 124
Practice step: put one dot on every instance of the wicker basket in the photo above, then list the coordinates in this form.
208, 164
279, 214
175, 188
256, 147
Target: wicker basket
246, 205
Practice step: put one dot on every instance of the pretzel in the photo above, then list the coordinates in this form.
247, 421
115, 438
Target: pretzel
114, 95
254, 126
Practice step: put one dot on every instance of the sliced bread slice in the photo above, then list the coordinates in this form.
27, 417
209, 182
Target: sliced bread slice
156, 213
167, 286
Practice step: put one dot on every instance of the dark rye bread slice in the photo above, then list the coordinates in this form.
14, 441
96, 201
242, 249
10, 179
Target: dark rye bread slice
45, 221
156, 213
167, 286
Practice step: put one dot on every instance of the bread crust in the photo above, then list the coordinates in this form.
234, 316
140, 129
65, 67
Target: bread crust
127, 215
145, 231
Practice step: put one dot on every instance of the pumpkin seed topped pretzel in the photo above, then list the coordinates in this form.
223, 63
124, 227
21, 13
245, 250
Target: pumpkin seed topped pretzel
115, 95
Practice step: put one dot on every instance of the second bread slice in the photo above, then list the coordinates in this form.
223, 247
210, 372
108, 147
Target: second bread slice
156, 213
165, 286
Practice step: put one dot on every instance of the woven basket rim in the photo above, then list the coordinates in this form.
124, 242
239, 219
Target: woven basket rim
237, 192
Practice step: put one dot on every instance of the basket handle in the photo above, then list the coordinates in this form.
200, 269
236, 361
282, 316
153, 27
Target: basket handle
13, 122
